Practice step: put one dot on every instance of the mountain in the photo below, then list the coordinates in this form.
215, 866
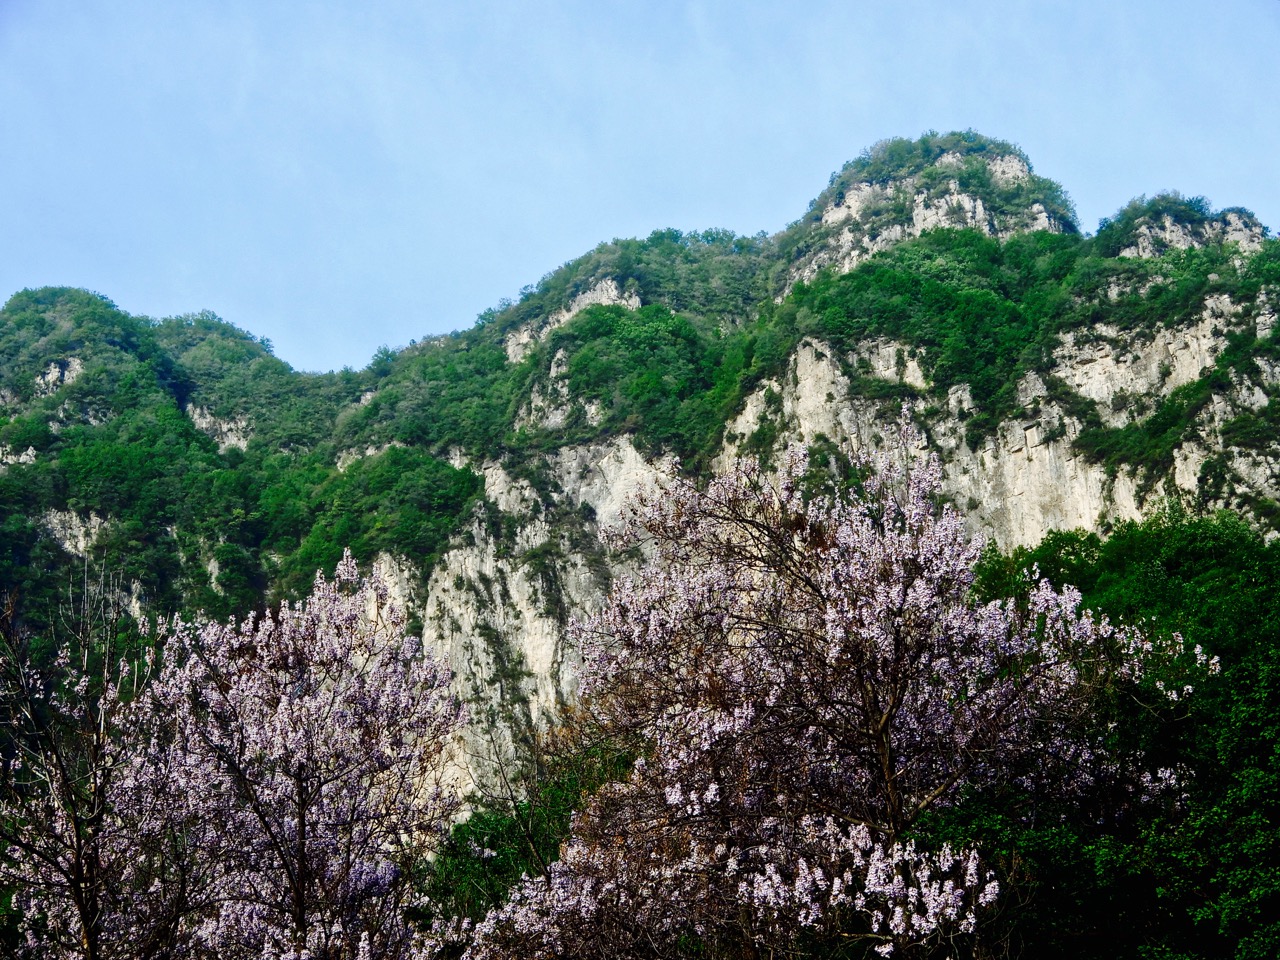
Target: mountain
1066, 381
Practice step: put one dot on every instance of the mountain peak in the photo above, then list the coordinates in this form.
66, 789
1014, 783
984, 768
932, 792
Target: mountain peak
899, 188
1148, 228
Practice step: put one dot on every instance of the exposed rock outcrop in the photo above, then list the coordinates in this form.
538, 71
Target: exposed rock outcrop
865, 217
10, 456
1015, 487
1114, 369
1154, 238
58, 374
74, 533
550, 406
498, 603
606, 292
232, 432
347, 457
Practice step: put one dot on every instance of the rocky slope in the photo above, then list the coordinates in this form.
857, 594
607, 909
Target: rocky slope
1065, 382
861, 217
501, 619
1027, 477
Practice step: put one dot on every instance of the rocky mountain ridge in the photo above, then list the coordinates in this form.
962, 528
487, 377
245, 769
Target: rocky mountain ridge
863, 217
1065, 382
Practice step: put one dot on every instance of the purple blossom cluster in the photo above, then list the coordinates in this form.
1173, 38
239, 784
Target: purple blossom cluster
806, 677
62, 843
266, 795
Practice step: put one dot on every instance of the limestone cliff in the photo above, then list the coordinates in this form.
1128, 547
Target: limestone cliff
867, 210
499, 601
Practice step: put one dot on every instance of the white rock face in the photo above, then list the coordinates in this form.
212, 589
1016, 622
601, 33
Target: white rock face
135, 602
1027, 480
548, 406
1008, 170
1040, 219
1266, 321
213, 569
235, 432
606, 476
853, 245
498, 603
605, 293
496, 618
400, 577
1019, 484
1103, 363
1247, 394
809, 402
347, 457
510, 495
856, 199
57, 375
1154, 239
1234, 228
75, 534
1015, 488
10, 456
1259, 472
954, 209
887, 359
812, 400
860, 238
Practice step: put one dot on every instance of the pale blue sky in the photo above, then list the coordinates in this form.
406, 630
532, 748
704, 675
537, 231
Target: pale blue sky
337, 176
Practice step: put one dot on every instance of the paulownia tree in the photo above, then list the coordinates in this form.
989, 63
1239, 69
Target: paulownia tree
807, 676
308, 748
87, 880
265, 790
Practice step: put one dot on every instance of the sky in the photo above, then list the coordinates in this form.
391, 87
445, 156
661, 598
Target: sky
338, 176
